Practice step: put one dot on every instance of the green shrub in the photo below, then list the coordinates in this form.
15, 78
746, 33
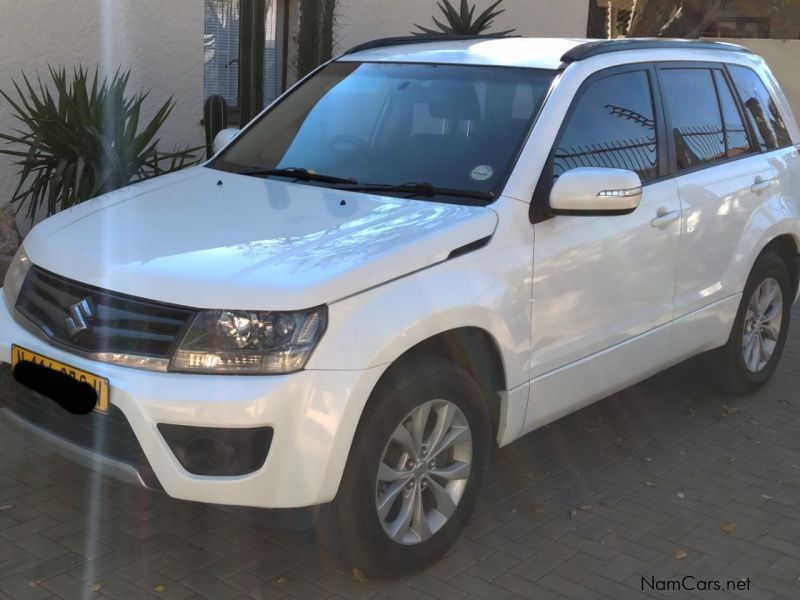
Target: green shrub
83, 139
464, 21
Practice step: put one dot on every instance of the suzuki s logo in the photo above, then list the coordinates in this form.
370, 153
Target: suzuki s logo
78, 314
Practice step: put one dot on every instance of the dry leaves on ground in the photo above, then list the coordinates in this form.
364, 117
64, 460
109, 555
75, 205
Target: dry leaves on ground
729, 527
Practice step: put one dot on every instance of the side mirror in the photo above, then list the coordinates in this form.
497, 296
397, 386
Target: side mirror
223, 138
598, 191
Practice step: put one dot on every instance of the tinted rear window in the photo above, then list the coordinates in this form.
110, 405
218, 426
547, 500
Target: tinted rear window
761, 109
691, 101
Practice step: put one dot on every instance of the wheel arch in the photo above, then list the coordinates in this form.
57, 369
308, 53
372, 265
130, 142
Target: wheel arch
787, 246
472, 348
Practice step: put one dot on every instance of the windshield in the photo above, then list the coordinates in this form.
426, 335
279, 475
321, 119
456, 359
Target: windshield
449, 126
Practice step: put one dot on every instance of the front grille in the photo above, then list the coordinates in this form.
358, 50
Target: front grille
115, 323
108, 435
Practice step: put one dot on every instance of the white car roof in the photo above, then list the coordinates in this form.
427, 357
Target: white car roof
541, 53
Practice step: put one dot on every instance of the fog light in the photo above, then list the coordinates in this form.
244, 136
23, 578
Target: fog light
218, 452
209, 455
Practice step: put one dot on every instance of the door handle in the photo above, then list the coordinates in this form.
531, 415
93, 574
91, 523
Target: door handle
760, 185
665, 217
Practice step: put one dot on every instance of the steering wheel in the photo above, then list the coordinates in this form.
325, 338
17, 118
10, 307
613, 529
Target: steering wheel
360, 145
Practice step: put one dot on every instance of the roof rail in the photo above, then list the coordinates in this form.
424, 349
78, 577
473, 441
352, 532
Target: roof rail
419, 39
596, 48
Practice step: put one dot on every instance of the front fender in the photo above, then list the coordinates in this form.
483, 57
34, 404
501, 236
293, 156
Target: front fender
489, 288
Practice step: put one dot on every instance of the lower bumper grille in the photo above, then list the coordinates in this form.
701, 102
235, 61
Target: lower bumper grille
108, 435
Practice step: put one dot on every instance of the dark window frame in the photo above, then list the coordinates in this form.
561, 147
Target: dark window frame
673, 170
540, 204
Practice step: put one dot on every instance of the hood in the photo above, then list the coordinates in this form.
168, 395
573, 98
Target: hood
210, 239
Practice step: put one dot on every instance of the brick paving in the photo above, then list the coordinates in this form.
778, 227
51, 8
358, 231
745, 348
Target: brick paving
583, 508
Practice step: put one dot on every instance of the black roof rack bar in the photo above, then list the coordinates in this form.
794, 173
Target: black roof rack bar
419, 39
596, 48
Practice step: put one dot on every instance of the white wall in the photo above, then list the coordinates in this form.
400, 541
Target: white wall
160, 40
362, 20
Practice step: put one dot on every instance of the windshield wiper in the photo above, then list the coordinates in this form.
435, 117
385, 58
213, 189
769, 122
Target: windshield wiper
299, 173
419, 189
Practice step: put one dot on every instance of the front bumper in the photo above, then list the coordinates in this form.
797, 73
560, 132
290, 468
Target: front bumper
314, 415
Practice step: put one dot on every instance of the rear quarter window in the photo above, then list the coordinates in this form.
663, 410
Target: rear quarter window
761, 109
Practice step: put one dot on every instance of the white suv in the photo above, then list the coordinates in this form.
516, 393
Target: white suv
427, 247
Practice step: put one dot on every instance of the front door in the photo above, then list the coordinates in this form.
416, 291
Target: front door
603, 285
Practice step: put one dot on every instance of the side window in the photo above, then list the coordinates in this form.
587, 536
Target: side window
690, 99
737, 141
762, 111
613, 125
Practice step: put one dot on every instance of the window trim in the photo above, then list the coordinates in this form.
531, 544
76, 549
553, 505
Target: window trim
674, 171
540, 203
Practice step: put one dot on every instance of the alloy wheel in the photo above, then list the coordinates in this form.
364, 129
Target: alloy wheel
762, 325
423, 472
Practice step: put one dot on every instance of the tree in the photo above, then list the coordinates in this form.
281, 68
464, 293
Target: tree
671, 18
596, 26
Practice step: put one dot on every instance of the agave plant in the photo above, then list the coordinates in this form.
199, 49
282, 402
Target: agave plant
464, 21
83, 139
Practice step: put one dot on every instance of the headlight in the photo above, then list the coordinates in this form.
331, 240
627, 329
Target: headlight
15, 276
247, 342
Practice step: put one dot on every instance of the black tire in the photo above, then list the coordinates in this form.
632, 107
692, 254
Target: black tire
726, 367
359, 529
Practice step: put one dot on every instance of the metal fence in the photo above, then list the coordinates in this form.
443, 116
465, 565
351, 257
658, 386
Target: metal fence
696, 144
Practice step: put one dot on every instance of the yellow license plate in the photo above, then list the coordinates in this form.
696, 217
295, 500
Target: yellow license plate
100, 384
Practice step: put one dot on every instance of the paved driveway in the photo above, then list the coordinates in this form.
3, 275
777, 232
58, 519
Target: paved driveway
663, 480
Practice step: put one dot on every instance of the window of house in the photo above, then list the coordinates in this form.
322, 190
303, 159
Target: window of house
221, 49
761, 109
690, 100
613, 126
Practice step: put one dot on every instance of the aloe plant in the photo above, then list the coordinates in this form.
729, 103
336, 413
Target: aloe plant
83, 139
464, 21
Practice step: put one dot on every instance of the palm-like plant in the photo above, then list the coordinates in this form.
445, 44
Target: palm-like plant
83, 139
464, 21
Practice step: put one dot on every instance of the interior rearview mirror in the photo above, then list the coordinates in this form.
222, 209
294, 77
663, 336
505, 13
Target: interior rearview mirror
223, 138
596, 191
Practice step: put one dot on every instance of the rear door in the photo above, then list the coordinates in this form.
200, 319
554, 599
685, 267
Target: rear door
717, 147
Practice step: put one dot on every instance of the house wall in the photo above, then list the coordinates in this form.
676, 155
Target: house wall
782, 56
160, 41
359, 20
